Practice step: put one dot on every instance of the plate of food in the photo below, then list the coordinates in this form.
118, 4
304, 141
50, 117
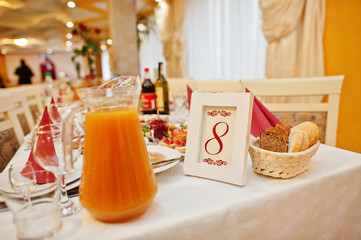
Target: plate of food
160, 132
176, 138
163, 158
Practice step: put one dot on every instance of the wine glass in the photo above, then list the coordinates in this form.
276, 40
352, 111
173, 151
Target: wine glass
179, 100
22, 179
48, 151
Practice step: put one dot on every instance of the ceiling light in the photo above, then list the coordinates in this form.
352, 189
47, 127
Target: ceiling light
4, 52
68, 49
158, 1
21, 42
141, 27
69, 36
71, 4
109, 41
50, 51
103, 47
70, 24
68, 43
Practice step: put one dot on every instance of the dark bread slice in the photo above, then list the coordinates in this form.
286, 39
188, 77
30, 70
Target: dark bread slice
286, 129
274, 139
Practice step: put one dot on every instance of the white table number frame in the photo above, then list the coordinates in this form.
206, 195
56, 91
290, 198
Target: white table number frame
218, 136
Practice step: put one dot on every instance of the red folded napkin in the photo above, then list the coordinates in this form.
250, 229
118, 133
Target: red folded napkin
41, 177
47, 149
60, 98
189, 94
262, 118
55, 116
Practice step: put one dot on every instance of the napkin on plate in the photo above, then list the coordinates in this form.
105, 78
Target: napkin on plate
262, 118
46, 149
55, 116
189, 94
41, 177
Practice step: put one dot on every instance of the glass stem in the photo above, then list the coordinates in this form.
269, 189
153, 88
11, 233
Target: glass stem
64, 199
28, 199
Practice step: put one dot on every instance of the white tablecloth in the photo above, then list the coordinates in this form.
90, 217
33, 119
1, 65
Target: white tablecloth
322, 203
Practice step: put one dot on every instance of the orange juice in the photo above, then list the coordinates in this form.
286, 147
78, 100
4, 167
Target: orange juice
118, 182
76, 96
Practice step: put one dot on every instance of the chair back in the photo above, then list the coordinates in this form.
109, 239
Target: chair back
219, 86
11, 134
179, 83
329, 86
33, 95
22, 109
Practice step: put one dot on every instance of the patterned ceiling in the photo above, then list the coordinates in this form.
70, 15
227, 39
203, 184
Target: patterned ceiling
43, 22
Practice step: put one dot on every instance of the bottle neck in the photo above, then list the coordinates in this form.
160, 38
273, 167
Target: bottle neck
48, 80
160, 71
146, 76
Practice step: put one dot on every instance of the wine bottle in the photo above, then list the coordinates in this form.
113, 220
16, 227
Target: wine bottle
161, 90
148, 96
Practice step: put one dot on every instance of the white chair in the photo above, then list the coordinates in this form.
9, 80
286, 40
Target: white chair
22, 108
312, 86
179, 83
218, 86
33, 94
10, 116
11, 134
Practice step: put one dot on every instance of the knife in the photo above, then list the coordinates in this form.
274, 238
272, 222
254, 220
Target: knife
167, 161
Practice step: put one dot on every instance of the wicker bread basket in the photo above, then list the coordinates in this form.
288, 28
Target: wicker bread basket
280, 165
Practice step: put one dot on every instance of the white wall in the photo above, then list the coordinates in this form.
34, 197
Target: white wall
151, 52
62, 62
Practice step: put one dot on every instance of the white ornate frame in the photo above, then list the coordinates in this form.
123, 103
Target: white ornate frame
234, 173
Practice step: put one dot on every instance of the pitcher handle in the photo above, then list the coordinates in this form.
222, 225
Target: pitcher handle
68, 129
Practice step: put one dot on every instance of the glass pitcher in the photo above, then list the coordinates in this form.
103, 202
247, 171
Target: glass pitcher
117, 181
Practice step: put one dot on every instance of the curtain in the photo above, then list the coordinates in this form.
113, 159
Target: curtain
170, 21
150, 53
294, 31
225, 39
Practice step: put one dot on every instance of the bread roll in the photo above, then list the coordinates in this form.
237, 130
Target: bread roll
295, 141
298, 141
305, 141
311, 130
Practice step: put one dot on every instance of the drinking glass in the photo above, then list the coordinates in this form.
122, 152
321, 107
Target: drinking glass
49, 154
179, 100
41, 219
61, 110
22, 179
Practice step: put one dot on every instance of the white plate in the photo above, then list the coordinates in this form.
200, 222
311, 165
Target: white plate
169, 153
28, 138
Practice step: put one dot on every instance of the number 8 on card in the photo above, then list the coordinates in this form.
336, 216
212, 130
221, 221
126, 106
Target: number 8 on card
218, 136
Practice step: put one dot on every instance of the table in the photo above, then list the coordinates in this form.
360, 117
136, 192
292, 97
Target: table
322, 203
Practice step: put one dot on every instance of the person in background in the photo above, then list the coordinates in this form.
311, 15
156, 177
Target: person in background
47, 66
24, 73
2, 82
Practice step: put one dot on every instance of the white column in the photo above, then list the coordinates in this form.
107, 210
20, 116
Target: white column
122, 22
